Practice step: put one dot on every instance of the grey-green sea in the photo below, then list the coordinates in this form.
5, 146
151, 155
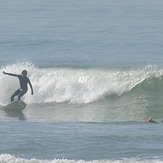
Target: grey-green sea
97, 72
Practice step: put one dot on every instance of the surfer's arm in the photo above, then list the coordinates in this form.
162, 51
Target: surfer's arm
10, 74
31, 87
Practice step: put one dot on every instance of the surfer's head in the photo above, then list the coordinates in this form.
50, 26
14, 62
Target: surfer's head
24, 72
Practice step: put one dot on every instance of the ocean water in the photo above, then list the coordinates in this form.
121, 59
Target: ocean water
97, 73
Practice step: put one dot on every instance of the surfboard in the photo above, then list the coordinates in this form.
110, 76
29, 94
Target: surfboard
16, 106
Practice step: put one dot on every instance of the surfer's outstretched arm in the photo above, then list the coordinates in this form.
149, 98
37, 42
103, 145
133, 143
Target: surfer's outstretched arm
10, 74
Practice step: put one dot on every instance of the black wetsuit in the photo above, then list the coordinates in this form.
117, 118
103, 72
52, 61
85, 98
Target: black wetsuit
23, 87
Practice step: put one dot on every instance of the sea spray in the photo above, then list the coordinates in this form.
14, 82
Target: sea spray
74, 84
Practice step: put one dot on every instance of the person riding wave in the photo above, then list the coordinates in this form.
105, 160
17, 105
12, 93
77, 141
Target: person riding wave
24, 81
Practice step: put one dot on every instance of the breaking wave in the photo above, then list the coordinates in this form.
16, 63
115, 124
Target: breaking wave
80, 85
7, 158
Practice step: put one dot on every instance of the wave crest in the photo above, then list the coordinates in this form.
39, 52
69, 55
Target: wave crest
78, 85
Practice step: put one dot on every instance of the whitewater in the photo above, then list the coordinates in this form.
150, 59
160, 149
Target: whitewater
77, 85
8, 158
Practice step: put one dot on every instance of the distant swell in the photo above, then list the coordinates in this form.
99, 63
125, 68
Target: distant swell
80, 85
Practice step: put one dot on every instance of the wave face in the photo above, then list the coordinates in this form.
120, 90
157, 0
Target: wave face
81, 85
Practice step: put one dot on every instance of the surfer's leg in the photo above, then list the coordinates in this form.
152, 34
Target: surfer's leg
21, 94
15, 94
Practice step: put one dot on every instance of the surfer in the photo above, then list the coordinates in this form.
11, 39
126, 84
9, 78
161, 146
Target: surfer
24, 80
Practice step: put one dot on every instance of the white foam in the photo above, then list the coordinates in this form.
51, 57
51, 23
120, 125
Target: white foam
74, 85
7, 158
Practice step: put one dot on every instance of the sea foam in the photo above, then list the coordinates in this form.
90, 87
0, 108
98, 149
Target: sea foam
7, 158
74, 84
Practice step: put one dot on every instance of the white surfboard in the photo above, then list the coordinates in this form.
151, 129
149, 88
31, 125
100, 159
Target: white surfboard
17, 106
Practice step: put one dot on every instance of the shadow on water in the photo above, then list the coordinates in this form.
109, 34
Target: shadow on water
15, 114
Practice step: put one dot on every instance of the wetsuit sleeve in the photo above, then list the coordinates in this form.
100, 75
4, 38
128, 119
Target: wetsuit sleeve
11, 74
